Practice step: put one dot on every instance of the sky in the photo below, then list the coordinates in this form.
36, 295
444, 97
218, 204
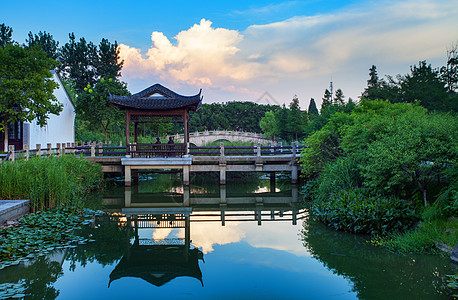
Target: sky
260, 51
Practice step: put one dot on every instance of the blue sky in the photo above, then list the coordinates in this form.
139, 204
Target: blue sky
237, 50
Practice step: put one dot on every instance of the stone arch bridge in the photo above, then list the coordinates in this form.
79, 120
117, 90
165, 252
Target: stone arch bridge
202, 138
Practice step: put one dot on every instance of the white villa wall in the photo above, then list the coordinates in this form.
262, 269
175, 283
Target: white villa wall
59, 128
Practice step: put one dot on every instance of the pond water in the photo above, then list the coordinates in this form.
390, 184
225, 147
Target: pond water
247, 240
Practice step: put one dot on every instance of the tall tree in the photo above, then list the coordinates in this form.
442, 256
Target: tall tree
296, 119
46, 43
77, 62
94, 106
326, 99
108, 63
339, 98
268, 124
282, 122
312, 108
6, 35
423, 84
26, 91
449, 73
373, 81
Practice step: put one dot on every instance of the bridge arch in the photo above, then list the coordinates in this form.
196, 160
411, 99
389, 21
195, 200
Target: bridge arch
202, 138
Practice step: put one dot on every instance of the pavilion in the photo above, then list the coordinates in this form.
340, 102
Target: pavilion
156, 103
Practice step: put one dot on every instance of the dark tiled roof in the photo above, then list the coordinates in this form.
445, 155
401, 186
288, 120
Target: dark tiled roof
167, 100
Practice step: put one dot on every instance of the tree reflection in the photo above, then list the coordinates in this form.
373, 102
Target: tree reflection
108, 248
350, 255
39, 277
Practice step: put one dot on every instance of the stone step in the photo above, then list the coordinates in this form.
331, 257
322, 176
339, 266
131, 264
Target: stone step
13, 209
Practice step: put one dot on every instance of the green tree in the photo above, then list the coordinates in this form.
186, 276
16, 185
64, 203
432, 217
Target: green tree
424, 84
77, 62
339, 98
400, 146
108, 63
268, 124
449, 72
373, 81
326, 99
312, 108
296, 119
46, 43
6, 35
26, 90
94, 106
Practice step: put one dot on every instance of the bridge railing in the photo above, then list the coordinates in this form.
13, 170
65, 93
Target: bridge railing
257, 150
149, 150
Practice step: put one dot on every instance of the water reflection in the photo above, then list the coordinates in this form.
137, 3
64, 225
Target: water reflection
375, 272
154, 260
161, 249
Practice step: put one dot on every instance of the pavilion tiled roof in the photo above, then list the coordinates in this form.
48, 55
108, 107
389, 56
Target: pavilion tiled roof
157, 97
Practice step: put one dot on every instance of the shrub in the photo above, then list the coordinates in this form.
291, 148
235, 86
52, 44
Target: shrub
357, 211
343, 174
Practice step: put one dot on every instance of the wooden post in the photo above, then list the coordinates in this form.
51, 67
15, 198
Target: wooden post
26, 148
11, 149
93, 149
38, 150
74, 146
258, 149
59, 149
271, 148
49, 150
272, 182
135, 132
281, 146
64, 149
100, 147
69, 145
127, 132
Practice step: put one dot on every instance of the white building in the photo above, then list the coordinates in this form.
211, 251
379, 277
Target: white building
59, 128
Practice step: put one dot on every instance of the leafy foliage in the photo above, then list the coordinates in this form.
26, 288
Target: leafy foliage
424, 85
233, 115
358, 211
312, 108
94, 106
40, 233
45, 42
26, 90
6, 35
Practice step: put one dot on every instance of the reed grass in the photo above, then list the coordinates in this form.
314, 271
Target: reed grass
49, 182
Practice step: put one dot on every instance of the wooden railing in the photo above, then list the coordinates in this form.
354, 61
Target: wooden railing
149, 150
157, 150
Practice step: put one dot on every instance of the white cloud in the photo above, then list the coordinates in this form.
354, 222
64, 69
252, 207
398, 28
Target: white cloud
301, 54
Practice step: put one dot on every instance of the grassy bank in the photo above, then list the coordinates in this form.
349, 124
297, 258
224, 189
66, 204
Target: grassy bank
49, 182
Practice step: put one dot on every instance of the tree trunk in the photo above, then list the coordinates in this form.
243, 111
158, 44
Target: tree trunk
106, 131
424, 197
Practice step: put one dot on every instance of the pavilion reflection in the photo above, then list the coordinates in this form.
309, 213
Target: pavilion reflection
161, 248
158, 261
